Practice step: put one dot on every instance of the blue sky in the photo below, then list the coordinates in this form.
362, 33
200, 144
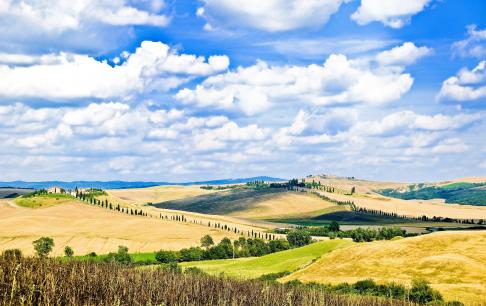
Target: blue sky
193, 90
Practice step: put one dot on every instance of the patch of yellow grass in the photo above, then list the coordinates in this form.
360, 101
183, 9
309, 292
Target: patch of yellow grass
153, 194
86, 228
453, 262
287, 204
414, 208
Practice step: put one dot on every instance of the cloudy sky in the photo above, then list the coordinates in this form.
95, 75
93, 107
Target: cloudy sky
173, 90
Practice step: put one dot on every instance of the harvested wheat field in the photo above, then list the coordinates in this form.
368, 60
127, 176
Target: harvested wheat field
453, 262
139, 196
86, 228
287, 204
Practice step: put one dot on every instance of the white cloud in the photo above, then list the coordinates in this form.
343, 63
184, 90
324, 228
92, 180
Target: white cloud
339, 80
392, 13
467, 85
152, 67
397, 123
317, 48
405, 54
269, 15
474, 45
53, 17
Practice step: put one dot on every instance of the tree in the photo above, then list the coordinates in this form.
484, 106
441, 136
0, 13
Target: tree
121, 257
207, 241
334, 226
166, 256
68, 251
298, 238
43, 246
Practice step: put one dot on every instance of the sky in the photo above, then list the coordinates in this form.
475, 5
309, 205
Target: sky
167, 90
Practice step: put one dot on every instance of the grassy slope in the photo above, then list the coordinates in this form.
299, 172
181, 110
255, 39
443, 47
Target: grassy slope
44, 200
254, 204
253, 267
453, 262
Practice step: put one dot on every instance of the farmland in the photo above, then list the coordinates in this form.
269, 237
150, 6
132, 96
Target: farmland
453, 262
285, 261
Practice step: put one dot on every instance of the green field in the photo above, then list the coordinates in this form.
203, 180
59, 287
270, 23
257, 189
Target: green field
137, 258
460, 192
253, 267
44, 200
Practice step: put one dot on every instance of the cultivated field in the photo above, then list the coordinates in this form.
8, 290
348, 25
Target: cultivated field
153, 194
272, 203
86, 228
453, 262
253, 267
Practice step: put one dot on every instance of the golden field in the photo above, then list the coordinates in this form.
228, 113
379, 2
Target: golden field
453, 262
140, 196
86, 228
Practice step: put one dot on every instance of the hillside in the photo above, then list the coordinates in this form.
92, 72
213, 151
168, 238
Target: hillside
253, 203
453, 262
289, 260
13, 192
86, 228
457, 192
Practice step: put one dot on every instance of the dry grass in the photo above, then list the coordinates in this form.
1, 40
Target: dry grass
86, 228
138, 196
285, 205
47, 282
413, 208
453, 262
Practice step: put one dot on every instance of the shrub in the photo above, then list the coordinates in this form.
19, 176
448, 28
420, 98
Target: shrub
43, 246
422, 293
166, 256
191, 254
194, 270
68, 251
278, 245
272, 277
299, 238
121, 257
12, 254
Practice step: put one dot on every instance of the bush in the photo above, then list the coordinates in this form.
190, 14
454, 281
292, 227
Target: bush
278, 245
68, 251
171, 267
166, 256
191, 254
43, 246
194, 270
422, 293
121, 257
12, 254
299, 238
272, 277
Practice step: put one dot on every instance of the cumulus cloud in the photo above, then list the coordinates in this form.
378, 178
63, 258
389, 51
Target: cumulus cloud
405, 54
270, 15
397, 123
474, 45
392, 13
339, 80
63, 15
152, 67
467, 85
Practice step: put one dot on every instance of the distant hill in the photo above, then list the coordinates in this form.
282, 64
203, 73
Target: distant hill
125, 184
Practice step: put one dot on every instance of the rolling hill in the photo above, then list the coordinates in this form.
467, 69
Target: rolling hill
285, 261
453, 262
254, 203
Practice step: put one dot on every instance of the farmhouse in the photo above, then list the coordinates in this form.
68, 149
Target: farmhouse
55, 189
